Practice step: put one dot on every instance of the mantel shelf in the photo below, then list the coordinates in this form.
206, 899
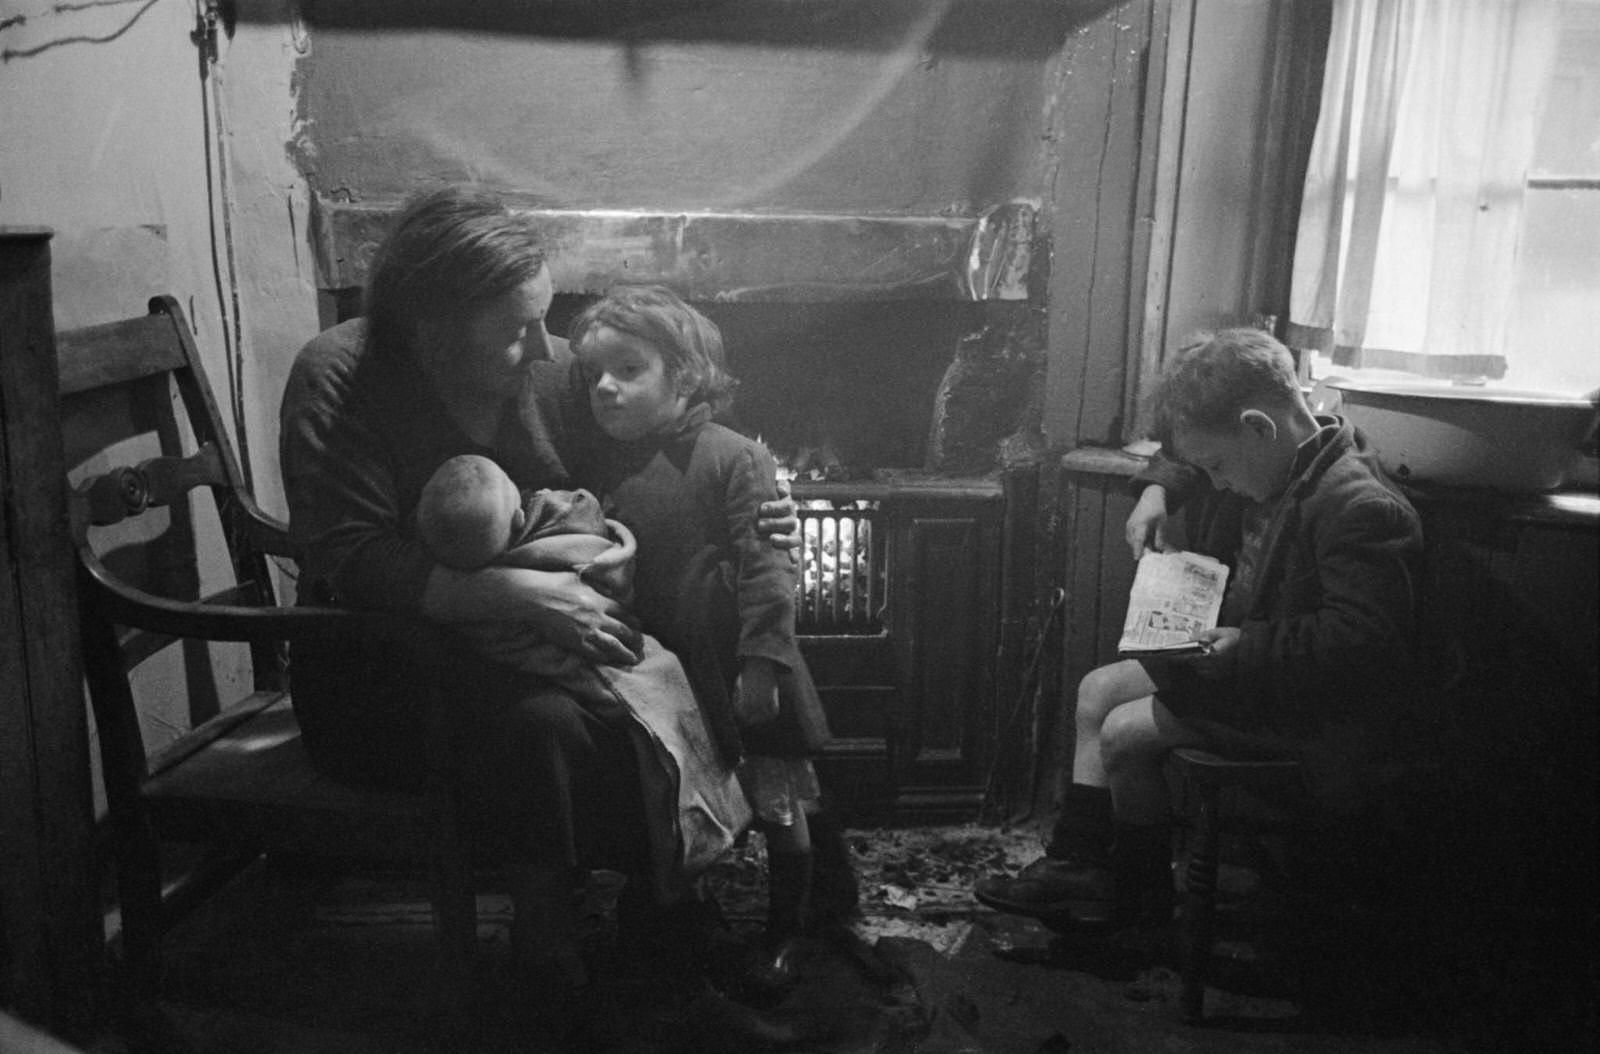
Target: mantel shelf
742, 256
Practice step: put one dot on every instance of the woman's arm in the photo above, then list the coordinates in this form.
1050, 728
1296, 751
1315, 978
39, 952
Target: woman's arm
567, 611
765, 573
346, 515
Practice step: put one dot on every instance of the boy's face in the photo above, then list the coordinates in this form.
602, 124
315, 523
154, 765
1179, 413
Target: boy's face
1247, 460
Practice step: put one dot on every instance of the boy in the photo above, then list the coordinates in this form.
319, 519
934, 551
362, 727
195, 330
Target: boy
1311, 658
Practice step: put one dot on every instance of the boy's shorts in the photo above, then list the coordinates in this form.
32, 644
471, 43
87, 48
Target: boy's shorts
1346, 765
1212, 710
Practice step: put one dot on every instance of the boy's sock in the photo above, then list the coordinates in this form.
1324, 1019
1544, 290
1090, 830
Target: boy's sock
1083, 828
1141, 861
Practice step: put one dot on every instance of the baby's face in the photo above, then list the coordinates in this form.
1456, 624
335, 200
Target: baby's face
508, 507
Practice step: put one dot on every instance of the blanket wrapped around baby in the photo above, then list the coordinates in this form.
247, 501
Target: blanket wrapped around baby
693, 804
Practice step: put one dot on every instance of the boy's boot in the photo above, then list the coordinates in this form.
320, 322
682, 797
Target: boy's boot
1073, 881
835, 892
788, 901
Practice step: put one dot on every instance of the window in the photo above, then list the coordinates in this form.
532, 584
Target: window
1450, 225
1556, 313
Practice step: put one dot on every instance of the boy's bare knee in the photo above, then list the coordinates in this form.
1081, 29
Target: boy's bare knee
1105, 688
1128, 735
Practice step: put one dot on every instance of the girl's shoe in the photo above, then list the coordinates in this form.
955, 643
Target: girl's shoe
772, 975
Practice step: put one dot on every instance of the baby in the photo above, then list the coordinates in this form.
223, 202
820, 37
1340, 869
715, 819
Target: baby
472, 514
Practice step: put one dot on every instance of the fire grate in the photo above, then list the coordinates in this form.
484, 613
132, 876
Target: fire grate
844, 563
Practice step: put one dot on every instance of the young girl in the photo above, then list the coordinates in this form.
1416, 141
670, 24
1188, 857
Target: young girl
713, 592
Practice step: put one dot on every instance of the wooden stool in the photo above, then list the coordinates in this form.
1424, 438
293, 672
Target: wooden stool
1208, 774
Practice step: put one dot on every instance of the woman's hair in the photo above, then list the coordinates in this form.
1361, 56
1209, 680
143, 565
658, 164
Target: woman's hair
450, 251
1217, 376
689, 343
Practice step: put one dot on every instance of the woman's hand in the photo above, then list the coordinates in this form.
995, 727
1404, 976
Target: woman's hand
564, 609
1147, 523
575, 616
776, 520
756, 692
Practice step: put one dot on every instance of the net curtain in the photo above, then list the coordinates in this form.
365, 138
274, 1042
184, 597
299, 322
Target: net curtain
1408, 230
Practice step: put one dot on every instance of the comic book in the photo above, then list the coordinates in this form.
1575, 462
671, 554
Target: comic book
1175, 595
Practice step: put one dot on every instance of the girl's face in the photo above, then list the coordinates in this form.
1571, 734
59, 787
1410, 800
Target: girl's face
630, 392
489, 352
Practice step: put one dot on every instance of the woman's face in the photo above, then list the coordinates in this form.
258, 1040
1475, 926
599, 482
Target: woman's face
630, 392
489, 352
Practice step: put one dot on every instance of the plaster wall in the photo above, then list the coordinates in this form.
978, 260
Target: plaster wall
888, 114
106, 127
877, 108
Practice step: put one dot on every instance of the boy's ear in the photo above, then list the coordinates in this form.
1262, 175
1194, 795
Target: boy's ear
519, 520
1259, 423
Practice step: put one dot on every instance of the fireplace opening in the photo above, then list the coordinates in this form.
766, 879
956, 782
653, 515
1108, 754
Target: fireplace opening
842, 587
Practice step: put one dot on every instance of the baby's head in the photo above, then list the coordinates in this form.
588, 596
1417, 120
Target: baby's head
468, 511
631, 323
1230, 403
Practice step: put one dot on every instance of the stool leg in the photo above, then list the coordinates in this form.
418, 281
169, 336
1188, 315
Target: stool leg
1200, 903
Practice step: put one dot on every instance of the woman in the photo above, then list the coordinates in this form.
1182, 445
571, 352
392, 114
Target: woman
452, 358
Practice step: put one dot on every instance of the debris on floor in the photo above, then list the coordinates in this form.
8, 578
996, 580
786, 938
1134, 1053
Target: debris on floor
293, 961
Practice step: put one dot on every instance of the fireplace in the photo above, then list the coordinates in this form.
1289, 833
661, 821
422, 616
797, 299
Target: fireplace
900, 620
893, 364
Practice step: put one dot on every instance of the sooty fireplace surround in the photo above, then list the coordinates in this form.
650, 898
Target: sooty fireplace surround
892, 363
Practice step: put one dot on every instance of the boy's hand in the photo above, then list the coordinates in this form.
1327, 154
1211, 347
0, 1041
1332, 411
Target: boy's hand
1217, 659
777, 521
756, 692
1147, 523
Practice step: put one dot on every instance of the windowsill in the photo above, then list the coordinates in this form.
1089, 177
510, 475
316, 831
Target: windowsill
1104, 461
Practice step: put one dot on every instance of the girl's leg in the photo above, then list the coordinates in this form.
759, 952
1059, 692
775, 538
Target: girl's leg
835, 892
789, 869
789, 875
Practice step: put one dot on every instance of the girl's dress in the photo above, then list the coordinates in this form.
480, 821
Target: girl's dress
714, 591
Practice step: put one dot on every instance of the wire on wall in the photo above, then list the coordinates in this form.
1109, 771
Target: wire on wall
8, 54
209, 18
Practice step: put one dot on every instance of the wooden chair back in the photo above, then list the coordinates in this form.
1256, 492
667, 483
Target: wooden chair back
175, 560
